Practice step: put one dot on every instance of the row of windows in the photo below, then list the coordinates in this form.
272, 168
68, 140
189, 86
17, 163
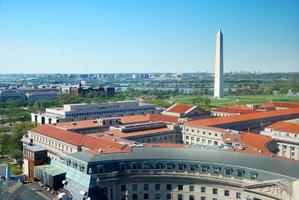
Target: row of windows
200, 140
204, 133
191, 168
107, 112
75, 165
51, 143
169, 187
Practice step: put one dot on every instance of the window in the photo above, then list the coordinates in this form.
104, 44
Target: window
238, 195
157, 196
240, 173
169, 166
187, 137
75, 165
81, 168
134, 165
68, 162
146, 165
100, 169
145, 196
134, 187
191, 188
215, 191
157, 186
202, 198
228, 171
122, 167
168, 196
145, 186
123, 188
180, 187
216, 170
158, 165
191, 197
253, 175
168, 187
181, 167
193, 167
203, 189
226, 193
134, 196
205, 168
180, 197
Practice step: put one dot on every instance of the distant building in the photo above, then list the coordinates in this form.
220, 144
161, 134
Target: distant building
41, 95
73, 112
82, 90
12, 94
186, 112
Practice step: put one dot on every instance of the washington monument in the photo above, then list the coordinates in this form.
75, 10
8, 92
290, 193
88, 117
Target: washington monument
218, 78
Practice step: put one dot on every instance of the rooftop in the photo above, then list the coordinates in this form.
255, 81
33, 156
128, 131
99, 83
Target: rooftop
179, 108
237, 109
241, 118
291, 126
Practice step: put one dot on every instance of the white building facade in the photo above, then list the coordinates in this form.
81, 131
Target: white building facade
73, 112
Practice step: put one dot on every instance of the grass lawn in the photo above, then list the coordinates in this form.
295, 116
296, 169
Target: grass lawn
238, 100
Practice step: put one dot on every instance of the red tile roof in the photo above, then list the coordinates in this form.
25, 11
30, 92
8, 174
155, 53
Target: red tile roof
252, 142
236, 109
148, 117
286, 126
77, 124
59, 134
119, 134
240, 118
88, 141
179, 108
280, 104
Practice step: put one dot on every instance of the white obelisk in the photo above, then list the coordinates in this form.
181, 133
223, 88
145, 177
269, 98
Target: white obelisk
218, 78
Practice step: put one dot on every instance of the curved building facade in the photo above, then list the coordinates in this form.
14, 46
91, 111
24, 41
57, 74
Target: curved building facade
180, 173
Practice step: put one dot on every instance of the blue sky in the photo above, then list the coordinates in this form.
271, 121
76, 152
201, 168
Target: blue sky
77, 36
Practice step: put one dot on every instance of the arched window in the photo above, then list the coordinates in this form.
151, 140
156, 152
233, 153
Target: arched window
81, 168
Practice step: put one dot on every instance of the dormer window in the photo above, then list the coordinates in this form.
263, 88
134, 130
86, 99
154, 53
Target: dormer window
181, 167
240, 173
75, 165
81, 168
216, 170
205, 168
193, 167
228, 171
68, 162
253, 175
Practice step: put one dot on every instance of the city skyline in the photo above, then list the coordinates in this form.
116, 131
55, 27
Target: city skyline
143, 36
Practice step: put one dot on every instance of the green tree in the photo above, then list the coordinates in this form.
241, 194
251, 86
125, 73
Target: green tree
20, 129
4, 142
